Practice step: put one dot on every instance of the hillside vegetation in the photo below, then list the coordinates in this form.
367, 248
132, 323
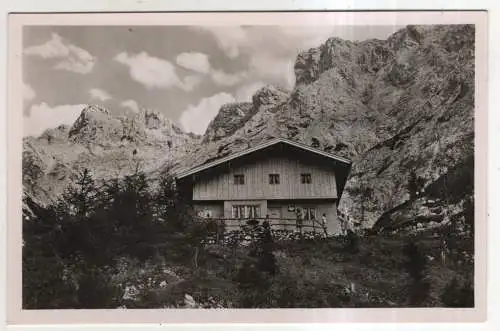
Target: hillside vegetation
123, 246
103, 226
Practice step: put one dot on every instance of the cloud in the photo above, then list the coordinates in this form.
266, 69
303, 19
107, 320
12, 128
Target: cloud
274, 69
194, 61
246, 92
132, 104
190, 82
272, 50
196, 118
99, 94
222, 78
43, 117
71, 57
153, 72
28, 92
199, 63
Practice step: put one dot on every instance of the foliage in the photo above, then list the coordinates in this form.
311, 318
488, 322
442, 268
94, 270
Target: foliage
71, 247
415, 265
352, 242
455, 184
135, 244
255, 275
365, 193
458, 295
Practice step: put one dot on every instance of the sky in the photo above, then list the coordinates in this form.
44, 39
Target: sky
185, 72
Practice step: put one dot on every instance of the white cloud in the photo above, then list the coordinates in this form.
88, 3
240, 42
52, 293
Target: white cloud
246, 92
199, 63
71, 57
28, 92
194, 61
272, 49
190, 82
196, 118
132, 104
43, 117
154, 72
224, 79
99, 94
274, 70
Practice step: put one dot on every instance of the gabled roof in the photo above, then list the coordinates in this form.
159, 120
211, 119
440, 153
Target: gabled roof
259, 147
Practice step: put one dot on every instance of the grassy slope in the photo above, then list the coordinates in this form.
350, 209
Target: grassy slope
316, 274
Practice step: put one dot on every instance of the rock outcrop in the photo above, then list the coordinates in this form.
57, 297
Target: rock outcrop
395, 107
110, 146
398, 108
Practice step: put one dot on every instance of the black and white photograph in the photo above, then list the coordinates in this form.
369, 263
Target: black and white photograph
248, 166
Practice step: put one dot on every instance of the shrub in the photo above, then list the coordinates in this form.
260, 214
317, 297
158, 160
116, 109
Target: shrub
458, 295
71, 247
352, 242
415, 265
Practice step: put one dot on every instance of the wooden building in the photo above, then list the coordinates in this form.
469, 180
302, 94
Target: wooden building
272, 180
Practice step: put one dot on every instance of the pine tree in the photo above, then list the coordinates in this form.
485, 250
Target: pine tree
81, 198
364, 192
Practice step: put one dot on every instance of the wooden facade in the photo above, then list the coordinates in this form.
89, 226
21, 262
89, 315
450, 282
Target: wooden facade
257, 184
269, 182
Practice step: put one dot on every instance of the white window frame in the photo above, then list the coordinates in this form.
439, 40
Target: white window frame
245, 211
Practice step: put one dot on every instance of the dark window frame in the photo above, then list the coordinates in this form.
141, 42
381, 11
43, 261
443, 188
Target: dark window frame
274, 179
306, 178
239, 179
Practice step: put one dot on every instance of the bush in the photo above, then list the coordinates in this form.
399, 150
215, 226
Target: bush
71, 247
352, 242
415, 265
256, 274
458, 295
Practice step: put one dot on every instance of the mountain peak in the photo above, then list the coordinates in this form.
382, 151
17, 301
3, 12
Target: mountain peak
94, 124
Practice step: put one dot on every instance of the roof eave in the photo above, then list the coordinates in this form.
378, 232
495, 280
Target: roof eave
203, 167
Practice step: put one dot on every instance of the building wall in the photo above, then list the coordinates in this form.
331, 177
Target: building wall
286, 217
214, 209
289, 216
228, 209
221, 186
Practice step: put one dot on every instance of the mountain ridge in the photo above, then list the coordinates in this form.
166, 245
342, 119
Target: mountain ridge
397, 106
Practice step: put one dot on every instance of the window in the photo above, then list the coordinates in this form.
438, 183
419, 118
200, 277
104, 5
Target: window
305, 178
246, 211
274, 178
309, 214
239, 179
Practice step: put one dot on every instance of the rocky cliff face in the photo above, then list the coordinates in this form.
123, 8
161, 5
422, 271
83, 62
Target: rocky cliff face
109, 146
398, 108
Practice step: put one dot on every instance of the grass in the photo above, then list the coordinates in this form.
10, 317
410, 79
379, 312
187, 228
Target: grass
317, 273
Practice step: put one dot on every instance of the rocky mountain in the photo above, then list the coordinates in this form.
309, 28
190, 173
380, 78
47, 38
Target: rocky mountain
110, 146
402, 109
398, 108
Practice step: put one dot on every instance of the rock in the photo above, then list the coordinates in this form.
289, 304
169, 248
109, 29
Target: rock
269, 96
189, 302
108, 145
230, 118
395, 105
131, 292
